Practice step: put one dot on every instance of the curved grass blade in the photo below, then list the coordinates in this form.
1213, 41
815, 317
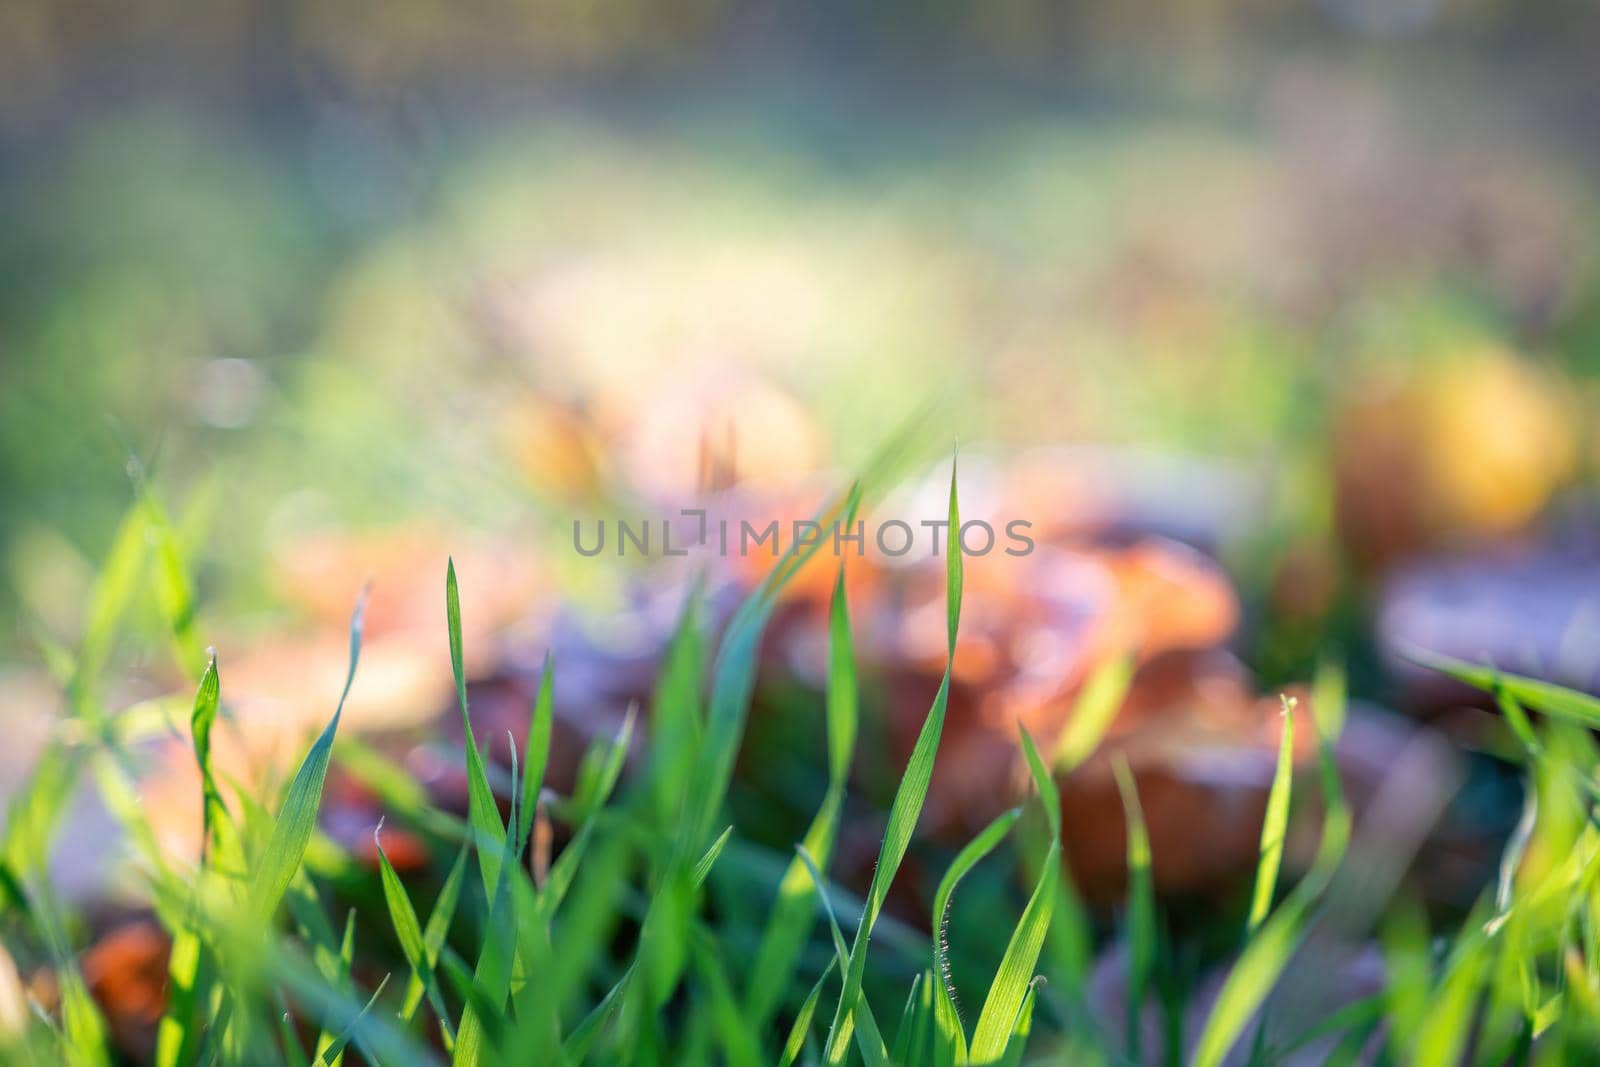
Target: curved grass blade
1265, 955
333, 1055
910, 1015
1023, 1027
1275, 826
1141, 903
802, 1021
576, 1047
413, 942
794, 912
482, 811
733, 680
702, 867
536, 753
325, 1056
298, 817
565, 868
738, 1038
492, 975
1093, 712
907, 804
1532, 693
951, 1040
433, 939
870, 1038
1013, 980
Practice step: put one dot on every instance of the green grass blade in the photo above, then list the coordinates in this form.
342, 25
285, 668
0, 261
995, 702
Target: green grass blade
794, 912
1265, 955
413, 943
114, 589
1141, 904
1547, 697
483, 813
1275, 826
492, 975
565, 868
843, 700
949, 1035
333, 1055
1448, 1023
869, 1038
741, 1043
906, 807
298, 817
325, 1056
536, 754
702, 867
1013, 980
733, 682
1093, 712
177, 1034
1022, 1029
576, 1047
174, 590
676, 726
798, 1032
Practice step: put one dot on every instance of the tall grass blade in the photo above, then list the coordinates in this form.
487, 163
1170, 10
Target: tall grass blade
576, 1047
413, 943
536, 753
1013, 981
1093, 712
801, 1028
298, 818
1141, 918
482, 812
1275, 826
907, 804
794, 912
950, 1038
873, 1050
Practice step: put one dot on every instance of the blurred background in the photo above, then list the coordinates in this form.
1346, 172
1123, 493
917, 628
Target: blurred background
1302, 299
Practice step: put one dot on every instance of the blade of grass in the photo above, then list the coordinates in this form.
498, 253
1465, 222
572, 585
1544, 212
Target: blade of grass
1275, 826
1532, 693
434, 936
536, 754
905, 1032
740, 1044
1093, 712
906, 807
1267, 953
870, 1039
576, 1047
492, 975
413, 944
1141, 904
801, 1027
1023, 1027
178, 1031
333, 1055
794, 912
702, 867
1013, 981
482, 812
325, 1056
950, 1038
298, 817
